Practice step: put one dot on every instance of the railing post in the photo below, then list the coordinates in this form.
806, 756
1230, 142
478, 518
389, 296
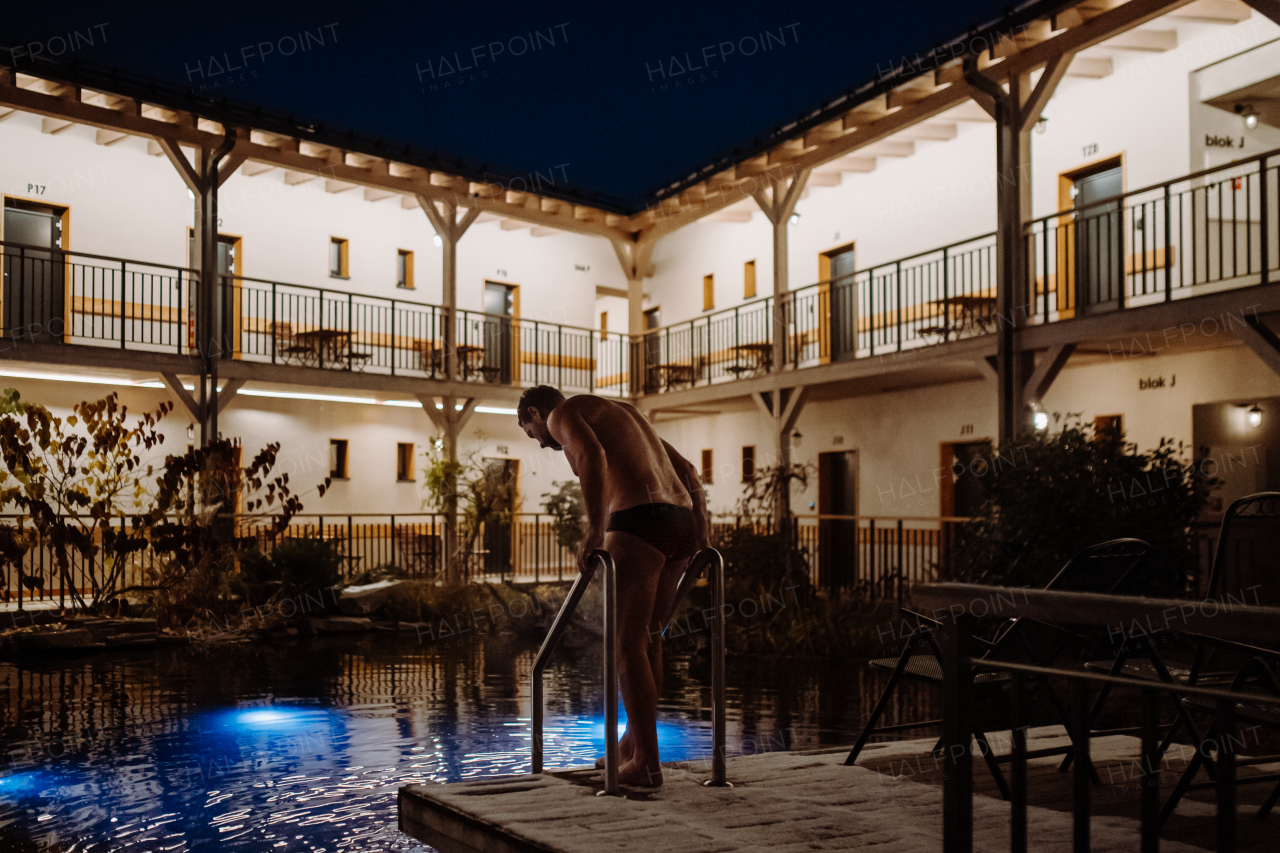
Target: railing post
1264, 220
611, 759
1168, 243
957, 782
899, 580
946, 294
123, 302
351, 332
393, 540
274, 322
718, 759
897, 280
591, 363
393, 337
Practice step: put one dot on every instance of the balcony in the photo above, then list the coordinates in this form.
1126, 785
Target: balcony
1198, 235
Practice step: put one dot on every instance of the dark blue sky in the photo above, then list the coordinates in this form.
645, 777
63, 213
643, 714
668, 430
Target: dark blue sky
566, 88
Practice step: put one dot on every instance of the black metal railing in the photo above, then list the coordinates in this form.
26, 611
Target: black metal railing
1250, 625
54, 295
869, 557
1211, 230
339, 330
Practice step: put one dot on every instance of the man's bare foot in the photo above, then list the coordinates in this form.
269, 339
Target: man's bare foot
626, 750
636, 774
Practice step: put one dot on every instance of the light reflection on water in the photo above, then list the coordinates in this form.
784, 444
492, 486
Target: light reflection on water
302, 748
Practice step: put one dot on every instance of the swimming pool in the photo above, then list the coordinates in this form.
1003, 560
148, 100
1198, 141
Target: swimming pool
303, 747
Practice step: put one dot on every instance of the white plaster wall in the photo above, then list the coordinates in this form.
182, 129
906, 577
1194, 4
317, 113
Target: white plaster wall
303, 429
945, 192
898, 434
127, 204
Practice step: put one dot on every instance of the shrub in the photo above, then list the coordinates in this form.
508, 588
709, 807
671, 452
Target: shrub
293, 567
1052, 495
568, 513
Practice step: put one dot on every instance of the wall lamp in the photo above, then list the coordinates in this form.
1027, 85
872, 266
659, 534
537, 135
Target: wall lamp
1042, 125
1040, 420
795, 218
1255, 416
1249, 113
795, 438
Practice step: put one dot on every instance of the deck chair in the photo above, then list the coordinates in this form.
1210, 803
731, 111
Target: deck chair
1102, 568
1240, 574
1246, 570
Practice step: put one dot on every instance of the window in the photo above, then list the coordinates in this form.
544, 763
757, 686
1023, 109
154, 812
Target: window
338, 257
404, 269
749, 280
404, 462
1108, 425
604, 325
708, 292
748, 464
708, 468
338, 458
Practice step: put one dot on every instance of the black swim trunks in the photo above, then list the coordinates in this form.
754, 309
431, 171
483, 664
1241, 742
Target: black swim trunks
667, 527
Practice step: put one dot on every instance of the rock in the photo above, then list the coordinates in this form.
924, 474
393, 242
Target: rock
55, 641
131, 640
339, 624
363, 600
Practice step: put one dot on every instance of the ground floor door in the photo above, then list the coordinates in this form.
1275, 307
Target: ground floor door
498, 553
962, 493
35, 297
838, 537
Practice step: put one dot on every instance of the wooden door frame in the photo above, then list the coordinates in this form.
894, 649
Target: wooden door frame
1065, 283
237, 271
824, 298
517, 356
67, 304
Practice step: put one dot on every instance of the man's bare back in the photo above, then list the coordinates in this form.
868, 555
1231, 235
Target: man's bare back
636, 470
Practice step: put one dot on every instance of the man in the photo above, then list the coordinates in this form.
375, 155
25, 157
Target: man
645, 506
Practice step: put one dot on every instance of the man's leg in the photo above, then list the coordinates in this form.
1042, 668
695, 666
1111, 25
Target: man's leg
639, 572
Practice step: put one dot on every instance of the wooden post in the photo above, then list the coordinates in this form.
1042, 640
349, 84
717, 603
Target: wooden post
957, 694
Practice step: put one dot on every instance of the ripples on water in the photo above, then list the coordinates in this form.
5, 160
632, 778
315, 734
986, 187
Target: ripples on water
302, 747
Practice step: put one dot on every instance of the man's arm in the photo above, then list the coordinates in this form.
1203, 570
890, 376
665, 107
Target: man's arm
587, 459
691, 479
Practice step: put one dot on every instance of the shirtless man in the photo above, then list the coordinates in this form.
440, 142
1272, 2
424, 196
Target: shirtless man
646, 507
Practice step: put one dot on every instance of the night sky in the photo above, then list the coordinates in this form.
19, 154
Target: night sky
570, 91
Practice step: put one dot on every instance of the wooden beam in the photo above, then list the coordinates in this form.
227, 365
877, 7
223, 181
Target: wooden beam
825, 179
109, 137
854, 164
1215, 11
1090, 67
337, 186
543, 231
1264, 342
888, 148
371, 194
53, 126
183, 396
254, 169
1047, 371
293, 178
1269, 8
938, 131
1147, 41
228, 392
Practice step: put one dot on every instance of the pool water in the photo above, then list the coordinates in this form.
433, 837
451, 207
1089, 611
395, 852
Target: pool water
302, 747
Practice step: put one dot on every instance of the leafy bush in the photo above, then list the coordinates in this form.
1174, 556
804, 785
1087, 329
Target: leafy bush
294, 566
1052, 495
568, 511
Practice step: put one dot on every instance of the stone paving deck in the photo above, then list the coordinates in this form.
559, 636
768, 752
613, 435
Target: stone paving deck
784, 802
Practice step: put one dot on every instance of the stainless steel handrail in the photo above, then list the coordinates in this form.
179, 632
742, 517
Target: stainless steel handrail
702, 561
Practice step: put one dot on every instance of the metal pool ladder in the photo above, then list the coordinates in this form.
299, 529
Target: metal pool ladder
708, 560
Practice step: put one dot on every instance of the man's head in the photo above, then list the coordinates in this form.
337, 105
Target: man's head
535, 406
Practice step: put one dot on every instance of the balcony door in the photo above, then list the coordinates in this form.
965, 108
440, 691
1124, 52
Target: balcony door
229, 265
500, 312
837, 267
35, 295
1099, 236
838, 537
